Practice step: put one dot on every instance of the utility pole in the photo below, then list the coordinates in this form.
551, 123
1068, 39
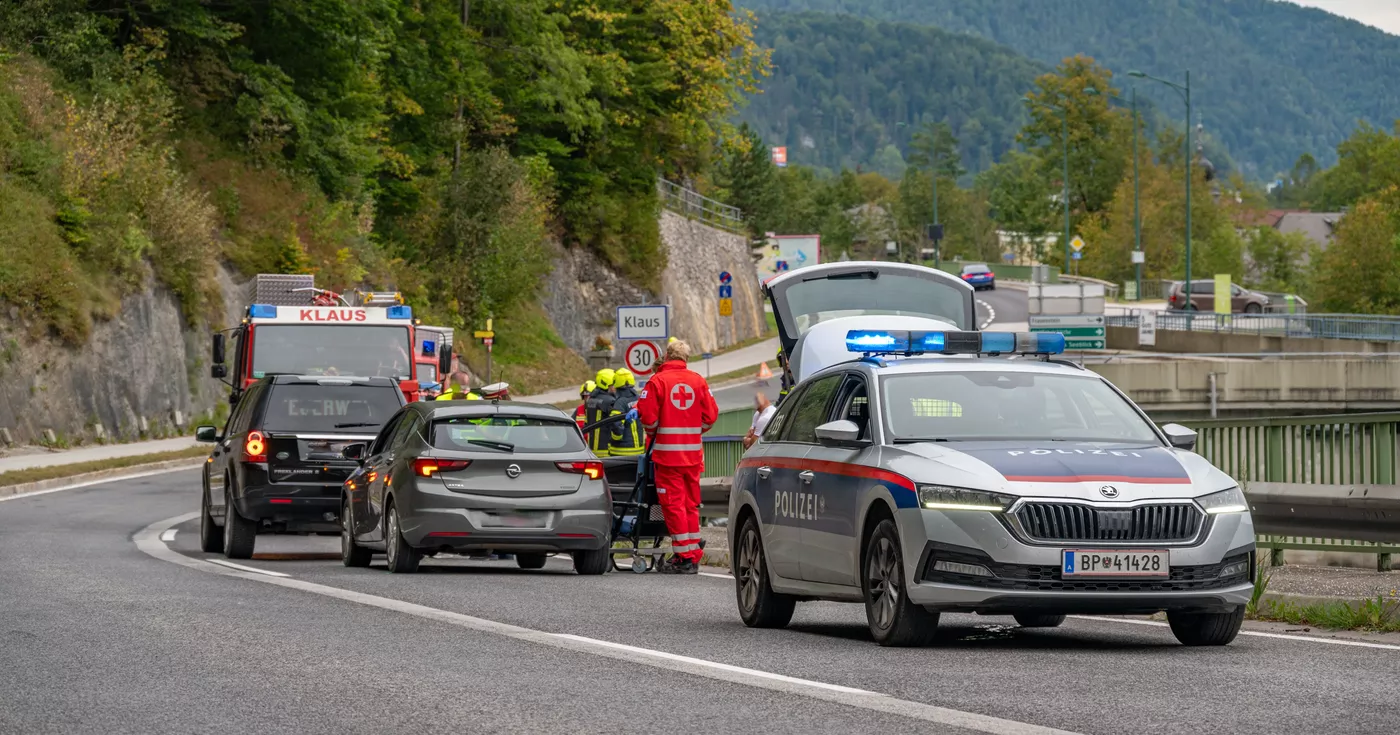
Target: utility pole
1137, 213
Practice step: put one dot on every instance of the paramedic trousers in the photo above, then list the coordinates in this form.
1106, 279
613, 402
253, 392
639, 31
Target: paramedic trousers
678, 491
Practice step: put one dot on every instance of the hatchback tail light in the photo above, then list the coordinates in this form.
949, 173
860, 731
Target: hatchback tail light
426, 467
594, 470
255, 449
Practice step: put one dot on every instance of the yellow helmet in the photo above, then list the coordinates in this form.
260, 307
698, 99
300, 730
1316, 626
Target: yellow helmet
669, 340
587, 387
604, 378
623, 376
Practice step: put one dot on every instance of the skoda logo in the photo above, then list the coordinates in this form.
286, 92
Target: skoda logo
513, 471
1108, 491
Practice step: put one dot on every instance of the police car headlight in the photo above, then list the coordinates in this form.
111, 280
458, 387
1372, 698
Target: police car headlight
942, 497
1225, 501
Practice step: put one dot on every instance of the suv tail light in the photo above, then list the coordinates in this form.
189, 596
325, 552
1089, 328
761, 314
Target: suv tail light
255, 449
594, 470
427, 467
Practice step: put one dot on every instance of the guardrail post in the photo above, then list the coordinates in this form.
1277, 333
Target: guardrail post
1383, 449
1275, 469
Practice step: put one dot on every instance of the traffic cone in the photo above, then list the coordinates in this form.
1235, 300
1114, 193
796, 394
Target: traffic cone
764, 373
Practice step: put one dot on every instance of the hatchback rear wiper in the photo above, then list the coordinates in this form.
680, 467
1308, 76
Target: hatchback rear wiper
356, 423
502, 446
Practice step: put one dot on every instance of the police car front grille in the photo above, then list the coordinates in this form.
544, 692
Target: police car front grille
1046, 578
1076, 522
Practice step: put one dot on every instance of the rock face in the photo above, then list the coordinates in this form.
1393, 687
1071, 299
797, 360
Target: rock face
582, 294
141, 374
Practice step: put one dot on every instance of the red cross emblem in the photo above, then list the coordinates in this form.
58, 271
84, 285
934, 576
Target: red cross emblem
682, 396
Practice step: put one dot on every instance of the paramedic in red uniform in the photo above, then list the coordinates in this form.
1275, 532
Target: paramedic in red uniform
676, 408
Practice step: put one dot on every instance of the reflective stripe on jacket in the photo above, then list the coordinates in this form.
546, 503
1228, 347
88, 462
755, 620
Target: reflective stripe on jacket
677, 408
627, 439
599, 406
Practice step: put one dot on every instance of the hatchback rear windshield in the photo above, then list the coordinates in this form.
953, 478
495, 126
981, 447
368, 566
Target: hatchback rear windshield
358, 409
507, 434
995, 406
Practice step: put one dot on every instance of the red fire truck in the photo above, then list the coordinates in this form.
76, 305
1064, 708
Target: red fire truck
290, 327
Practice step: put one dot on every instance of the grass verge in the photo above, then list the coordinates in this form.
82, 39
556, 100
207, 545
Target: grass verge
37, 474
1381, 614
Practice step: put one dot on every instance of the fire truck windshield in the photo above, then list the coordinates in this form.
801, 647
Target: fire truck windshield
303, 349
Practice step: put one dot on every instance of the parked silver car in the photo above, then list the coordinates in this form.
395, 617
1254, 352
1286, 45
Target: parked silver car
932, 473
462, 476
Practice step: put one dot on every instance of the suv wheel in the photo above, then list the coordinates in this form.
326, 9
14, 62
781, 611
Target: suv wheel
759, 605
1033, 620
240, 534
351, 553
592, 563
1253, 309
403, 559
893, 619
1206, 629
211, 537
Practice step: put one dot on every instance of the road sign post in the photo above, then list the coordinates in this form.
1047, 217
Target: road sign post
1082, 332
642, 357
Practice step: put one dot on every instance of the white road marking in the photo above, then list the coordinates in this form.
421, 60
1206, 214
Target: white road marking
169, 535
231, 565
1156, 624
991, 314
104, 481
148, 540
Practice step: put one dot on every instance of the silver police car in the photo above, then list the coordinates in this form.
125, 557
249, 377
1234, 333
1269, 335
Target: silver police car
966, 471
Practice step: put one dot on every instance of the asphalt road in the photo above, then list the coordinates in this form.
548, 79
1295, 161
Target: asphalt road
104, 627
1002, 306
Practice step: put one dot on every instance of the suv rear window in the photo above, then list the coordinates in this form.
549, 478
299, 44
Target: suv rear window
528, 434
359, 409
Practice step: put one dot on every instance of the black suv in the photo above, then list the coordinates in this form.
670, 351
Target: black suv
279, 463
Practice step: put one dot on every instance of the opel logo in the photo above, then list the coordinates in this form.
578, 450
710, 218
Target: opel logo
1108, 491
513, 471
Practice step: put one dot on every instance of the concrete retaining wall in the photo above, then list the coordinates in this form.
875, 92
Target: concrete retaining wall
1222, 343
1261, 387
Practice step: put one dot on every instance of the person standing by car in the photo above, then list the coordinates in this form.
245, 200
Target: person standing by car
763, 412
581, 413
676, 407
627, 439
600, 405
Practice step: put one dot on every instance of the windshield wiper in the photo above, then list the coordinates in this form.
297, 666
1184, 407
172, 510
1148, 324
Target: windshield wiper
356, 423
502, 446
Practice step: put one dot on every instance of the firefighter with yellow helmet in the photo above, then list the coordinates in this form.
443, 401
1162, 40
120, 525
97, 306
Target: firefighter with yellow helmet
600, 405
628, 439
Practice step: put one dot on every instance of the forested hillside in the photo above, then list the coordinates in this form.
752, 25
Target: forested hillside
841, 87
1270, 79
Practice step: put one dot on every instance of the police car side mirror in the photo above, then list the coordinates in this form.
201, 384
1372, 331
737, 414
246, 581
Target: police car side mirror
354, 451
839, 433
1180, 436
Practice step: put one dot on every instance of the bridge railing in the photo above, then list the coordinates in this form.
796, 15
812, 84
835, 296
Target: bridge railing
1314, 326
696, 206
1319, 483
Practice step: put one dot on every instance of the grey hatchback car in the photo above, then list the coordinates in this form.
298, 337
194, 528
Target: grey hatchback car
461, 476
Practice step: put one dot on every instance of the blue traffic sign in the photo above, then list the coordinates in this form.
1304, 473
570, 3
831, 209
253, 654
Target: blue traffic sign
724, 277
1076, 255
726, 292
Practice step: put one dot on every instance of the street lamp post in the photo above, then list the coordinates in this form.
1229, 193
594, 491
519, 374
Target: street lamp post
1137, 213
1185, 91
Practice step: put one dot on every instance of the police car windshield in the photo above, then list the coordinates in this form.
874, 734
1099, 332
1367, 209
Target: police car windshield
507, 433
824, 299
1005, 406
305, 349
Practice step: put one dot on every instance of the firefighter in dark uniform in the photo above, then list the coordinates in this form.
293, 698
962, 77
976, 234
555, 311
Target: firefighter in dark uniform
627, 438
600, 405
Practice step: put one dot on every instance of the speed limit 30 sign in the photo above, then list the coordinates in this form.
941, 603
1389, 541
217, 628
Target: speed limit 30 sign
642, 357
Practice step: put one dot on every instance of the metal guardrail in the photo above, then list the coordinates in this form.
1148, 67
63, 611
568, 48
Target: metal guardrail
1308, 326
1364, 518
696, 206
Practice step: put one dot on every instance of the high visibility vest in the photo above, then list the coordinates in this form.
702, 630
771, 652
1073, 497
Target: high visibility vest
627, 439
600, 406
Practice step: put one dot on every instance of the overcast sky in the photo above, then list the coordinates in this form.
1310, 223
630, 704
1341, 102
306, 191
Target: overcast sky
1383, 14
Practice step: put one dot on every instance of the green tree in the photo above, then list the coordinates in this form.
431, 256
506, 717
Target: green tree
749, 180
1020, 197
1277, 260
1359, 273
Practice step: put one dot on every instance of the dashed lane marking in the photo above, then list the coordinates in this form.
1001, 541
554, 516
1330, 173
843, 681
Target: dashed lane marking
148, 540
991, 314
169, 535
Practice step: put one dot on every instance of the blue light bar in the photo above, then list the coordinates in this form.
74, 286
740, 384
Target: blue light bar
876, 342
400, 312
1046, 343
429, 348
931, 342
998, 342
262, 311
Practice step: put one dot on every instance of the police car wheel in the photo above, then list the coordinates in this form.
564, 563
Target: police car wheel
211, 537
1206, 629
1031, 620
893, 619
759, 605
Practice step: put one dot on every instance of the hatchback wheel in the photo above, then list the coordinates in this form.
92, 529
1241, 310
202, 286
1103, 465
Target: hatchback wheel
1206, 629
403, 559
893, 619
759, 605
240, 534
211, 537
1032, 620
592, 563
351, 553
